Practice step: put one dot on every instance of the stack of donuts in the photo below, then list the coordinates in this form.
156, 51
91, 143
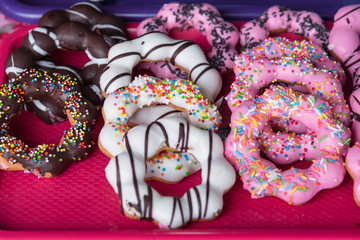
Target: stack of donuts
287, 104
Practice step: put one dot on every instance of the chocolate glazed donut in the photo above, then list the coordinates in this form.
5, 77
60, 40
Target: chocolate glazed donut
45, 160
78, 29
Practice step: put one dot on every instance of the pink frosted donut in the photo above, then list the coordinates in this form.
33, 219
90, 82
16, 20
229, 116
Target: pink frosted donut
344, 40
222, 35
354, 102
279, 19
288, 147
261, 66
353, 167
260, 176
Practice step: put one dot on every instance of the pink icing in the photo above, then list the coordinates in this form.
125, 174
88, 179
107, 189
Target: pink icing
305, 23
258, 67
3, 166
286, 147
344, 39
354, 102
221, 35
260, 176
353, 166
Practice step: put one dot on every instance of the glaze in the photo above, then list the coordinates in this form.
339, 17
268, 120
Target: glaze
260, 176
279, 19
257, 68
157, 46
138, 200
46, 160
145, 91
221, 35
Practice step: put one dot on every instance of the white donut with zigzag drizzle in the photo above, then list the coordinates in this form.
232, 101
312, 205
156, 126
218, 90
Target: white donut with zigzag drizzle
155, 47
138, 200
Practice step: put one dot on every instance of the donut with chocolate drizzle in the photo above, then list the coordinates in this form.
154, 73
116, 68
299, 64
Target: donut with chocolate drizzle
155, 47
223, 36
138, 200
45, 160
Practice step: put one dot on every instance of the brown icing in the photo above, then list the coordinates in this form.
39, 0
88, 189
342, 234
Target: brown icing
47, 160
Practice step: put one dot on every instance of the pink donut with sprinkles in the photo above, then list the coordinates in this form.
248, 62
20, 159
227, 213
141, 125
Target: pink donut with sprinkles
281, 19
285, 147
221, 35
344, 40
353, 167
260, 176
275, 60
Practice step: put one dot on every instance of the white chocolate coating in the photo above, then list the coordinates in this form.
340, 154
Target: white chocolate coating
126, 174
171, 166
144, 91
155, 46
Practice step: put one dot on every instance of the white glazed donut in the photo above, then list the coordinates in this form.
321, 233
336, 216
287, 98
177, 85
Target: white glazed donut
144, 91
138, 200
155, 47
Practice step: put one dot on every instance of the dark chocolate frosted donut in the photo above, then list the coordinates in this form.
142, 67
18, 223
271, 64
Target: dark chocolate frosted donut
45, 160
81, 28
88, 14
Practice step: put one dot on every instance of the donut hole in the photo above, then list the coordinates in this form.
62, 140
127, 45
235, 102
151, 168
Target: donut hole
73, 58
192, 34
288, 35
279, 82
27, 127
160, 180
281, 128
169, 70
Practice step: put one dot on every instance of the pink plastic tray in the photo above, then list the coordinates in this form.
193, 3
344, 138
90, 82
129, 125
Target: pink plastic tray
81, 199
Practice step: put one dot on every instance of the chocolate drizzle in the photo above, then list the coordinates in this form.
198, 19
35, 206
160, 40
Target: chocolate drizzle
302, 18
140, 201
344, 15
219, 33
208, 173
118, 181
165, 49
179, 50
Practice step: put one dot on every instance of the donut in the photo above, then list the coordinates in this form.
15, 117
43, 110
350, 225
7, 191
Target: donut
68, 29
171, 167
88, 14
260, 176
46, 160
48, 111
353, 168
145, 91
257, 68
162, 70
42, 41
281, 19
222, 36
285, 147
344, 40
157, 46
125, 172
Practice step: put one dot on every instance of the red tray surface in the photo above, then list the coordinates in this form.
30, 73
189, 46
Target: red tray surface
82, 199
